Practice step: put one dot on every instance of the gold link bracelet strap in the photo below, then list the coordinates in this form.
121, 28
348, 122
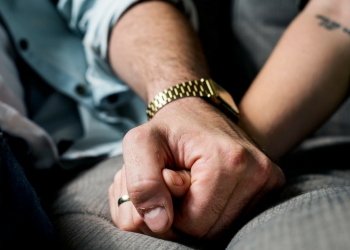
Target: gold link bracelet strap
198, 88
185, 89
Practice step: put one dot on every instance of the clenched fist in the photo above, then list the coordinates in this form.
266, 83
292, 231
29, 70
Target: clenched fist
213, 165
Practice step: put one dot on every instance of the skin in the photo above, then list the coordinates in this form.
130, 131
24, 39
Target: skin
304, 81
151, 55
229, 174
218, 154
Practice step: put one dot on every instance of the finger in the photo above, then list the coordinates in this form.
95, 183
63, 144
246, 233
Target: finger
121, 215
178, 182
142, 226
112, 203
146, 155
125, 211
111, 195
167, 235
126, 217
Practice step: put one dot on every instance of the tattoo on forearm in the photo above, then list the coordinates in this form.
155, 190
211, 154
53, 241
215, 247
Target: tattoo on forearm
328, 24
347, 31
331, 25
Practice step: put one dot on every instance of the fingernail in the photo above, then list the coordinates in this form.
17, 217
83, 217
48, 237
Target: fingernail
176, 178
156, 219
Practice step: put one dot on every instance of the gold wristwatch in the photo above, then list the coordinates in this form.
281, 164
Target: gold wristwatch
204, 88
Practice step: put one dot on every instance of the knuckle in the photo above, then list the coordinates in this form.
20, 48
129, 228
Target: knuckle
263, 170
238, 156
235, 160
138, 134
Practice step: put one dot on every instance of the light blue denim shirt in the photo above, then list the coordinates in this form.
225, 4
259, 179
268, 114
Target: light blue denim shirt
68, 48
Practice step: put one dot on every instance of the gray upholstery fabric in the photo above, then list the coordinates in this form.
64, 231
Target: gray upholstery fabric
313, 210
315, 220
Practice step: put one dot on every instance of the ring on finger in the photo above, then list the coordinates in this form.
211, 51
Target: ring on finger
123, 199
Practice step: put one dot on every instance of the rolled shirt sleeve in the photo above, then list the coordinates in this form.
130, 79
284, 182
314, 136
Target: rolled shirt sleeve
94, 20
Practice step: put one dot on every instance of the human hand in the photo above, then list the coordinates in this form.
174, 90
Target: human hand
127, 218
228, 173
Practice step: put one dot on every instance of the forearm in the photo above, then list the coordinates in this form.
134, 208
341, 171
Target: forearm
153, 47
305, 79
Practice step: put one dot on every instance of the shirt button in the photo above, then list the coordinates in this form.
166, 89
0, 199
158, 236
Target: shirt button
81, 90
23, 44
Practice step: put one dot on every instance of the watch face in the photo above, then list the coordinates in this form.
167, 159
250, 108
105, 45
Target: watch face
223, 95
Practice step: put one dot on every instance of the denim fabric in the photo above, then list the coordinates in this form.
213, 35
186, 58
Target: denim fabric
23, 222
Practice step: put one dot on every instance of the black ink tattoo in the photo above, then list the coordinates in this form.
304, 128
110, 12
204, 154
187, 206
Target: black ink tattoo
331, 25
328, 24
347, 31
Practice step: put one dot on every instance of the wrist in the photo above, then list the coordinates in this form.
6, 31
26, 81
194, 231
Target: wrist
190, 110
158, 86
206, 89
187, 104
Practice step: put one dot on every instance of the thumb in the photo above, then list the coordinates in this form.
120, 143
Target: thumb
145, 157
178, 182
